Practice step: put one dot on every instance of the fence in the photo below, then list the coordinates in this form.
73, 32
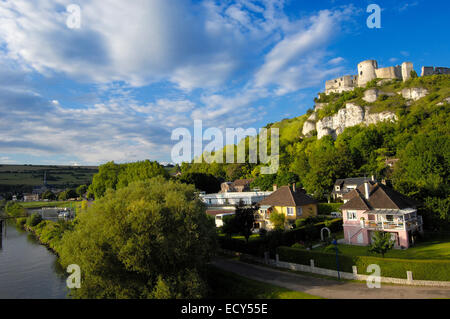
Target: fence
333, 273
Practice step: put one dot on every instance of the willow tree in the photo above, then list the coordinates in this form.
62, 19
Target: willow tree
151, 239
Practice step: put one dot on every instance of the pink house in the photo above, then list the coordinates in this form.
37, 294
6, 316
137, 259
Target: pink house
374, 207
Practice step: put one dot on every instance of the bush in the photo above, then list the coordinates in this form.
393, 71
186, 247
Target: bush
21, 221
14, 209
276, 238
254, 247
331, 249
390, 267
327, 208
298, 245
34, 220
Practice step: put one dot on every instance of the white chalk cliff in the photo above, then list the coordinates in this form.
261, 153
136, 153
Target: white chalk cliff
349, 116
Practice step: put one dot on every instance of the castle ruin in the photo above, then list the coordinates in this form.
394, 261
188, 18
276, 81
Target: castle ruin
430, 70
367, 71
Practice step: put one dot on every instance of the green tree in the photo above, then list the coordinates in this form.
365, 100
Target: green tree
81, 190
278, 220
244, 220
382, 242
114, 176
151, 239
14, 209
34, 219
67, 194
202, 181
48, 194
229, 225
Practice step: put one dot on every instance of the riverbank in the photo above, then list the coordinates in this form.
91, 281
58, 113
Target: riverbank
48, 233
28, 270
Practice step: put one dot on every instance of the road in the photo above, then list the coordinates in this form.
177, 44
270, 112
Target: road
326, 288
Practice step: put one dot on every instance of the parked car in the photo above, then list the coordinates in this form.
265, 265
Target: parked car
336, 214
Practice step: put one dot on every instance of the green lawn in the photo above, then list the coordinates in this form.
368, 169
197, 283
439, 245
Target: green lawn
226, 285
47, 204
433, 249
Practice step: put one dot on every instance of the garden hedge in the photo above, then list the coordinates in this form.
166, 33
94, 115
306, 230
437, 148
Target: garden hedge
438, 270
328, 208
274, 239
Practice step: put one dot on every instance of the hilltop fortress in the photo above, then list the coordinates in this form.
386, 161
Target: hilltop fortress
368, 70
353, 114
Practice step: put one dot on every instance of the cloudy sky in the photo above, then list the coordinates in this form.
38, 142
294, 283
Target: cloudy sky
116, 87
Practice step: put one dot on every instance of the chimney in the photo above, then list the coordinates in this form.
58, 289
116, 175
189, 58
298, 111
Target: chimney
293, 188
366, 189
274, 187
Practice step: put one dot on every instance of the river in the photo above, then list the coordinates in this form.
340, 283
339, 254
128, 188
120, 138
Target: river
28, 270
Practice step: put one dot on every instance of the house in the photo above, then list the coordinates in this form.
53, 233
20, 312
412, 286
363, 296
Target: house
30, 197
289, 201
375, 207
239, 185
346, 185
218, 215
229, 200
390, 162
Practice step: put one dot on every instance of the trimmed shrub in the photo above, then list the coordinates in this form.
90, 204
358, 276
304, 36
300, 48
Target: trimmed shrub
254, 247
273, 239
298, 245
390, 267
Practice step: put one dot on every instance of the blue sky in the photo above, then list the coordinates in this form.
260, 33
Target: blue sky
115, 88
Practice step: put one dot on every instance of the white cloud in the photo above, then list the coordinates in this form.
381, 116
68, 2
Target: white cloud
298, 61
138, 41
236, 54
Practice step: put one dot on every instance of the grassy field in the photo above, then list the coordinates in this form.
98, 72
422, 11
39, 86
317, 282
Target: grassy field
434, 249
58, 176
47, 204
226, 285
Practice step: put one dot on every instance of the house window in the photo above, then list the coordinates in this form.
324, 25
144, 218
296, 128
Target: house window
351, 215
299, 211
290, 211
390, 218
337, 188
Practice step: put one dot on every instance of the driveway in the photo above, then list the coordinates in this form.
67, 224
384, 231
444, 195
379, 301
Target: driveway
330, 289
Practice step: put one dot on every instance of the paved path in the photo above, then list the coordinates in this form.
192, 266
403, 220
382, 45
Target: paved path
331, 289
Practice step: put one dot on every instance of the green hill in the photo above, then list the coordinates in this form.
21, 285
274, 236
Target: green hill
22, 178
419, 138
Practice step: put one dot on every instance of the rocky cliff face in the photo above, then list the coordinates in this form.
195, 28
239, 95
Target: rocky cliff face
349, 116
354, 114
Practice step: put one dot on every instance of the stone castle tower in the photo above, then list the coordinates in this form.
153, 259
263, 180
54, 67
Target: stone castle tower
367, 71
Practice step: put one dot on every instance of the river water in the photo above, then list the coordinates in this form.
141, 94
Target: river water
28, 270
